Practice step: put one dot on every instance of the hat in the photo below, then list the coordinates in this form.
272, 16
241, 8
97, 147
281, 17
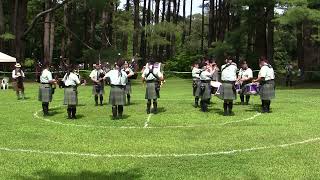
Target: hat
18, 65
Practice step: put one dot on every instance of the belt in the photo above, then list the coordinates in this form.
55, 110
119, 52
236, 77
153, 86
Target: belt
268, 81
205, 81
230, 82
70, 86
120, 86
151, 81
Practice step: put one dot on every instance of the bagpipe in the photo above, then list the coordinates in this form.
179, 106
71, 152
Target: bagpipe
99, 85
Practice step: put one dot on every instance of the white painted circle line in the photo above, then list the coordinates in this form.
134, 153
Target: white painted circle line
236, 151
146, 124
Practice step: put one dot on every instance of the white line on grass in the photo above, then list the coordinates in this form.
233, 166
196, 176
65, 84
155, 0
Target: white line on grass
236, 151
146, 124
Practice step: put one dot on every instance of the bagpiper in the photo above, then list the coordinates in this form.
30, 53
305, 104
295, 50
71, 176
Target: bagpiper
130, 75
153, 77
228, 91
71, 82
267, 85
117, 98
45, 89
18, 78
98, 84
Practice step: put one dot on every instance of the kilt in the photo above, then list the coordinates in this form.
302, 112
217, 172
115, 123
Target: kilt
128, 88
151, 92
98, 90
117, 95
45, 93
228, 91
267, 90
205, 94
196, 87
70, 96
18, 86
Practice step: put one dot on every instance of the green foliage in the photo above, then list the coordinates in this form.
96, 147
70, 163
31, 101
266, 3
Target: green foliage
7, 36
182, 62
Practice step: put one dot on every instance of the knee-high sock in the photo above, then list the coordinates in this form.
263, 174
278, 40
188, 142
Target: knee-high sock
74, 111
155, 106
247, 98
196, 101
128, 97
69, 110
242, 97
101, 99
96, 99
148, 106
114, 111
120, 110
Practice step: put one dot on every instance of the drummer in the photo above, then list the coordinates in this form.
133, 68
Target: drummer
245, 77
196, 83
228, 92
266, 79
205, 89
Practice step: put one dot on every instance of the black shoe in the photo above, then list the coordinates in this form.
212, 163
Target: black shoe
101, 104
247, 103
155, 108
242, 103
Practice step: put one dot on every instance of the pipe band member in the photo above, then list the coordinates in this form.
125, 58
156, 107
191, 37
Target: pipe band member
228, 91
153, 77
196, 83
205, 88
98, 84
267, 90
117, 98
245, 77
130, 75
45, 89
71, 82
18, 78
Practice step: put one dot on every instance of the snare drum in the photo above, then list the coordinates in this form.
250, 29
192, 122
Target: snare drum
238, 88
215, 87
251, 89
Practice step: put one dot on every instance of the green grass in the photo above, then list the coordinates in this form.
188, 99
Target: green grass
295, 118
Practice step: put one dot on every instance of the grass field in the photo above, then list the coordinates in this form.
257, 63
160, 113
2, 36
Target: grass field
178, 143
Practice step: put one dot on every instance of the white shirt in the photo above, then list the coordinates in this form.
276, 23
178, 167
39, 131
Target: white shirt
205, 75
46, 76
267, 73
95, 74
71, 80
245, 73
15, 76
129, 72
116, 78
150, 77
195, 73
229, 73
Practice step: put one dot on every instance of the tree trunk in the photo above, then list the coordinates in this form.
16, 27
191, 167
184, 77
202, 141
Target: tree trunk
125, 34
270, 41
211, 23
300, 54
19, 27
48, 33
2, 25
163, 10
143, 33
260, 45
183, 39
136, 27
190, 22
168, 36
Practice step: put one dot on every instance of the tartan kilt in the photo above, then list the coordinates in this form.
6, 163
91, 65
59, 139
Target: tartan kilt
206, 94
45, 93
98, 90
128, 88
117, 96
267, 91
228, 91
18, 86
70, 96
196, 89
151, 92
